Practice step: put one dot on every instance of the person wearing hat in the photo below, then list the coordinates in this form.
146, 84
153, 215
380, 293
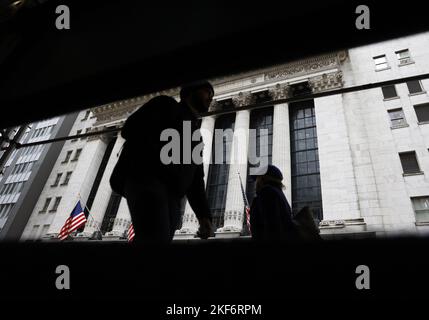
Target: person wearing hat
152, 188
270, 212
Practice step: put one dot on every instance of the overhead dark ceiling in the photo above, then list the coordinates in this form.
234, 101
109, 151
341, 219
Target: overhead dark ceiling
120, 49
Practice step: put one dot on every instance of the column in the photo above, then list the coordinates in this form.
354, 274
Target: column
81, 181
122, 220
281, 138
337, 173
234, 206
104, 192
190, 223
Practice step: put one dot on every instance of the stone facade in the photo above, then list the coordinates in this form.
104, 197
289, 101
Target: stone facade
364, 190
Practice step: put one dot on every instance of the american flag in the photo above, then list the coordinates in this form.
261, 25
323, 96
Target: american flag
76, 219
246, 205
130, 234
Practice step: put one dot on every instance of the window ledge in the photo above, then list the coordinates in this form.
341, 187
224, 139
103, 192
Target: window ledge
406, 64
422, 223
416, 93
393, 98
52, 211
73, 160
413, 174
63, 184
422, 122
378, 70
41, 211
54, 185
399, 127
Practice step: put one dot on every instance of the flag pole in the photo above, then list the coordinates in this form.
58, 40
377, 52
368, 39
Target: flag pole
89, 214
246, 203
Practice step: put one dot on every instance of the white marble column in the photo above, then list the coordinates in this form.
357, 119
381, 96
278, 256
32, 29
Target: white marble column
337, 173
281, 146
190, 222
281, 156
104, 192
122, 220
234, 206
80, 182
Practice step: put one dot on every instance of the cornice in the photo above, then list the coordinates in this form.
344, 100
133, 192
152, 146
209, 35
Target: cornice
118, 111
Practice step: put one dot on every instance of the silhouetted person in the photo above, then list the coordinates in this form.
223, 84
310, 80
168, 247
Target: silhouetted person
153, 189
270, 212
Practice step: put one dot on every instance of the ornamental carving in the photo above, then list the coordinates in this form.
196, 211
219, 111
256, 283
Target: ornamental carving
306, 66
214, 106
243, 99
280, 91
326, 82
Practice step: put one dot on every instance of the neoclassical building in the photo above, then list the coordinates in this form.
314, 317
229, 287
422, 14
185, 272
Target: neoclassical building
360, 160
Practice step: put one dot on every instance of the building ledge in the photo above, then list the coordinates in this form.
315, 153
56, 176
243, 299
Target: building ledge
413, 174
387, 68
400, 127
416, 93
349, 235
390, 99
421, 224
406, 63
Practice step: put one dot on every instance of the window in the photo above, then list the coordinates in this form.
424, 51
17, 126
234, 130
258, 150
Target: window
46, 205
77, 133
19, 187
45, 230
422, 112
5, 209
67, 178
389, 92
409, 162
414, 87
403, 57
68, 155
381, 63
34, 231
421, 208
57, 180
86, 115
305, 169
397, 118
259, 119
56, 204
217, 180
76, 156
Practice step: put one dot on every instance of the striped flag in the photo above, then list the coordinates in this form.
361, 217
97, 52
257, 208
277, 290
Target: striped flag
76, 219
130, 234
246, 205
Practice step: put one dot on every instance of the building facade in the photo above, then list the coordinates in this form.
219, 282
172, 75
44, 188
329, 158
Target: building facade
26, 171
360, 160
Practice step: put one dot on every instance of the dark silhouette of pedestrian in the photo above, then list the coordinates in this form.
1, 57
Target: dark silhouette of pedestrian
153, 189
270, 212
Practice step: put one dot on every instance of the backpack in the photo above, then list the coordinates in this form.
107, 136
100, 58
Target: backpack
306, 227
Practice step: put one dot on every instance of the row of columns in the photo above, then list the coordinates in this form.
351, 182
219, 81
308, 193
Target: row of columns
234, 206
93, 152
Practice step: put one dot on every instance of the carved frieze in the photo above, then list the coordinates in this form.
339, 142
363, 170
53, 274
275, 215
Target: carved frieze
326, 82
243, 99
307, 66
280, 91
